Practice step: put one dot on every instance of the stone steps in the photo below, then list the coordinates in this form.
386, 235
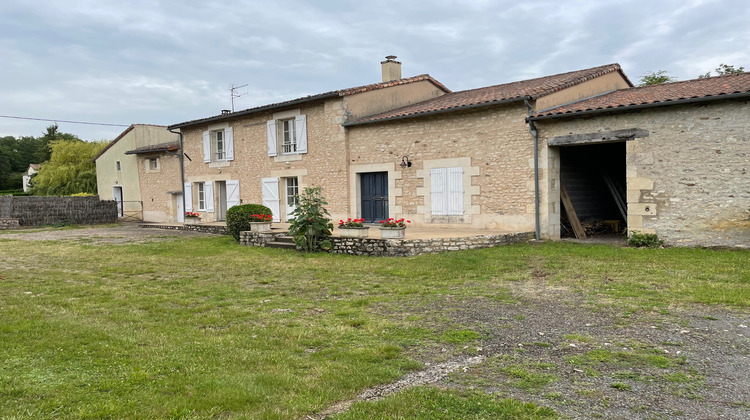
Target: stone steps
285, 242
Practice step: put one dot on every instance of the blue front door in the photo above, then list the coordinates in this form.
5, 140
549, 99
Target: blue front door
374, 196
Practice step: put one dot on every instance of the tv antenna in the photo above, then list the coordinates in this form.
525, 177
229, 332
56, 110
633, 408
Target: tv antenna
236, 95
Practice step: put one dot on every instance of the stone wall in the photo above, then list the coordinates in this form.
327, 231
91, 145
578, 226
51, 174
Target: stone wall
36, 211
687, 181
399, 247
492, 145
213, 229
159, 187
6, 224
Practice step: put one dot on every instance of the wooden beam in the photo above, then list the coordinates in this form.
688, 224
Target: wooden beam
596, 138
572, 216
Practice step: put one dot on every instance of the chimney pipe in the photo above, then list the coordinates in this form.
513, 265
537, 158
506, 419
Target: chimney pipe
391, 68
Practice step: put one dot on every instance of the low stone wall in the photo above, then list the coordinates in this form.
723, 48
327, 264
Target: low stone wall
259, 238
6, 224
214, 229
400, 247
36, 211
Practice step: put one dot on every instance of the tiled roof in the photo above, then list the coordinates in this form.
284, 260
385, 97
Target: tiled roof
126, 131
507, 92
35, 166
155, 148
712, 88
311, 98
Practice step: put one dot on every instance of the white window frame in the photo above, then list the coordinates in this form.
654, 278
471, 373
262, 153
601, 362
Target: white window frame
201, 187
288, 136
219, 145
153, 164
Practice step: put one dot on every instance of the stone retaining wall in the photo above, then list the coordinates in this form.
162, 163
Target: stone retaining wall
399, 247
214, 229
36, 211
6, 224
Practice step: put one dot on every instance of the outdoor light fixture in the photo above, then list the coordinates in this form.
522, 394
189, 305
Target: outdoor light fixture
405, 162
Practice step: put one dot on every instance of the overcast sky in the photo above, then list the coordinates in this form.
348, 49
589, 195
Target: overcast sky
169, 61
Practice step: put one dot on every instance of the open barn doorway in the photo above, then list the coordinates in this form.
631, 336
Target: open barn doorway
593, 190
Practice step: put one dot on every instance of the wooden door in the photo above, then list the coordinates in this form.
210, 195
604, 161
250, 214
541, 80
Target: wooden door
374, 187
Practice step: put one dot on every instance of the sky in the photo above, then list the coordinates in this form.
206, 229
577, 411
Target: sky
168, 61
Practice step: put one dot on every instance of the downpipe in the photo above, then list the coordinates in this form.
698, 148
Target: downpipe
535, 134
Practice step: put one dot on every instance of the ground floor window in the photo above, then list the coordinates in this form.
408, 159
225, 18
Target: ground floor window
201, 196
447, 195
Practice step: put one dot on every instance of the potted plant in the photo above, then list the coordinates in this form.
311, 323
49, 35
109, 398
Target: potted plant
260, 222
353, 228
393, 228
192, 218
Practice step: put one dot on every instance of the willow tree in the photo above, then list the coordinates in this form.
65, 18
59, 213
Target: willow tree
70, 169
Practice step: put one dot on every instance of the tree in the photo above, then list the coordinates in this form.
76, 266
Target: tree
44, 150
656, 78
723, 70
70, 169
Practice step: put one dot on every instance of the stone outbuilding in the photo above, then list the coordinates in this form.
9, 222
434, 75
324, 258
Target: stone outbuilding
676, 157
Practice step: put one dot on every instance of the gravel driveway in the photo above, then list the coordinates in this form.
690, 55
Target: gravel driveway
122, 233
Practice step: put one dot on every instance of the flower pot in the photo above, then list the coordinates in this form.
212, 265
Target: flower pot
192, 220
260, 226
354, 232
392, 232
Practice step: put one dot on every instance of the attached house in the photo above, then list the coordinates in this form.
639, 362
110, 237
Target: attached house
681, 152
120, 175
523, 156
268, 154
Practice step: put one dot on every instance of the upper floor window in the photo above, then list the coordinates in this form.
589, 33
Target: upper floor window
117, 165
218, 145
153, 164
287, 136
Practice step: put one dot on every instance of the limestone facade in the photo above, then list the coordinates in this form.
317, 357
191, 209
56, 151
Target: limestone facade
687, 180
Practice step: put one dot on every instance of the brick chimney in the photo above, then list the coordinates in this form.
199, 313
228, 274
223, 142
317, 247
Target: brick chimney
391, 68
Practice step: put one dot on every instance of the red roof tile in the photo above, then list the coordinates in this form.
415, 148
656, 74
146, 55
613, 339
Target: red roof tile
664, 94
155, 148
515, 91
305, 99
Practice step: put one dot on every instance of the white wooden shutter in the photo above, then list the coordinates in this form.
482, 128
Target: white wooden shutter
455, 191
437, 190
233, 193
188, 197
208, 190
300, 123
206, 146
271, 196
271, 129
229, 143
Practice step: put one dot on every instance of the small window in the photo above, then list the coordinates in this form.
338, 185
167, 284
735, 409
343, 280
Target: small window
153, 164
117, 165
201, 196
288, 136
220, 145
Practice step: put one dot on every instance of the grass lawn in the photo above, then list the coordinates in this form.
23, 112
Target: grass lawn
204, 328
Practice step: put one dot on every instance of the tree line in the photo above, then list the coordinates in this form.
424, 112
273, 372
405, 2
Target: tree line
661, 76
67, 166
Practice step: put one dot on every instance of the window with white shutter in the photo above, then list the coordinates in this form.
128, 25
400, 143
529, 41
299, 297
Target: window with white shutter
188, 196
446, 189
287, 136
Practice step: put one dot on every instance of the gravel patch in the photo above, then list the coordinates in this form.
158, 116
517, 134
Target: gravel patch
120, 234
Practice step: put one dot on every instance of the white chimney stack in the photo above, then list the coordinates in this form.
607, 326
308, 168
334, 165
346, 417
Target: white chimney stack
391, 68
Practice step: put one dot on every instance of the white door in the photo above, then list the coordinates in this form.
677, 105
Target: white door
292, 189
117, 195
180, 208
270, 190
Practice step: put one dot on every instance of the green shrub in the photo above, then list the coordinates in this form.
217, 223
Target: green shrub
238, 217
311, 226
640, 240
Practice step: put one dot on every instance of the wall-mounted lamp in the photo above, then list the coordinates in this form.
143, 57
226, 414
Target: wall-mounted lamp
405, 162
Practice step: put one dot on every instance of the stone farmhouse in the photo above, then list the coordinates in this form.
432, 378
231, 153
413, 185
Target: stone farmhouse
133, 171
523, 156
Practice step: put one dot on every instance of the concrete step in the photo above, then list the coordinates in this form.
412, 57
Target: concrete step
286, 242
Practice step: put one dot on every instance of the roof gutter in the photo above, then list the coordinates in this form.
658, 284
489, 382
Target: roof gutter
535, 135
438, 111
641, 106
